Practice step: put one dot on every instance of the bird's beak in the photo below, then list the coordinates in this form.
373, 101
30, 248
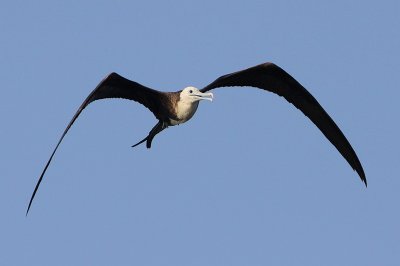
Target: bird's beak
205, 96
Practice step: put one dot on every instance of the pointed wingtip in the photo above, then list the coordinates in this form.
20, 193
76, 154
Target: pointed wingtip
27, 210
363, 178
30, 202
365, 182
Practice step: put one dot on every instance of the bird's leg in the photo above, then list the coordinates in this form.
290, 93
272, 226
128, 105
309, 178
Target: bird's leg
154, 131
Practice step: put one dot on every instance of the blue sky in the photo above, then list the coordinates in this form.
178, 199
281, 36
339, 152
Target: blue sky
248, 181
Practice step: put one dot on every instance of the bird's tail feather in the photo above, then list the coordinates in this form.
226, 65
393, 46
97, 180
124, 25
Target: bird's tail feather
154, 131
140, 142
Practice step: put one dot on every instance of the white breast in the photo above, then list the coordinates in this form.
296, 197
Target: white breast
184, 111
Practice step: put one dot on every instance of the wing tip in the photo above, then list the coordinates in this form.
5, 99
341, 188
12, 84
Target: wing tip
365, 181
27, 210
360, 172
30, 203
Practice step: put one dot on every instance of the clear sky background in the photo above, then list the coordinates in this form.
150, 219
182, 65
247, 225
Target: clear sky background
248, 181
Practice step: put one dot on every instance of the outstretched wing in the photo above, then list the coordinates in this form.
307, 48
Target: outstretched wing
113, 86
270, 77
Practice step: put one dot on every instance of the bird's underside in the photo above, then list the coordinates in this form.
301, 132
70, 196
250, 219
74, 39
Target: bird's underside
181, 105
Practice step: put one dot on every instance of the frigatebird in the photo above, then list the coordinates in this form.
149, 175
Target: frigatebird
174, 108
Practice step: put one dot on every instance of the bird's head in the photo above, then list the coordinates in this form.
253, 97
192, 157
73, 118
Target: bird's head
192, 94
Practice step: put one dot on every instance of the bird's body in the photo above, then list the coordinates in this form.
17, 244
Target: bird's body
183, 111
174, 108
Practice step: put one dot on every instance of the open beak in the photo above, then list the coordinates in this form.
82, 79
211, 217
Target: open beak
205, 96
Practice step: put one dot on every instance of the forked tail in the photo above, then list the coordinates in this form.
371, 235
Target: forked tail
154, 131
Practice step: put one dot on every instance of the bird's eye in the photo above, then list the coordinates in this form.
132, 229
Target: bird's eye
191, 91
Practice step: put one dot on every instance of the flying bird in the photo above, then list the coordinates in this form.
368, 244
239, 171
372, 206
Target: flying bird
174, 108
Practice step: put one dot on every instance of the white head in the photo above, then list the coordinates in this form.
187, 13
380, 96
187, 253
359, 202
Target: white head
192, 94
188, 102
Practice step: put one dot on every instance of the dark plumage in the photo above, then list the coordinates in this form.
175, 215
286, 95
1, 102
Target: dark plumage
272, 78
172, 108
